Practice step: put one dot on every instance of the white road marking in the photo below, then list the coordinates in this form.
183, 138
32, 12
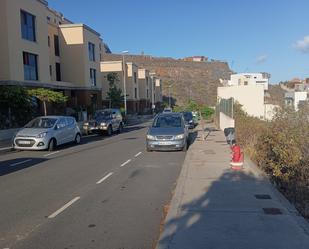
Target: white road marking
25, 161
138, 154
53, 215
126, 162
105, 177
52, 153
5, 148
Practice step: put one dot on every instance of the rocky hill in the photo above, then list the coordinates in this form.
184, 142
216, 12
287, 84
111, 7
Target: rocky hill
195, 80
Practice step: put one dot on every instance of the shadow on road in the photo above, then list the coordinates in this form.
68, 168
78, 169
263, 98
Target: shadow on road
13, 165
220, 218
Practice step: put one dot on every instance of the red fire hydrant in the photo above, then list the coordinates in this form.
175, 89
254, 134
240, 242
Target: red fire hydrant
237, 161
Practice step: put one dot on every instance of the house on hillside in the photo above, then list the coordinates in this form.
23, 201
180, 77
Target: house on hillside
296, 98
249, 90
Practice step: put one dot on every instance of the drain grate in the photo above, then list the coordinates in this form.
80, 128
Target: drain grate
272, 211
262, 197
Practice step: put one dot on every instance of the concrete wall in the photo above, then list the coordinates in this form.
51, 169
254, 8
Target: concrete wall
226, 121
250, 97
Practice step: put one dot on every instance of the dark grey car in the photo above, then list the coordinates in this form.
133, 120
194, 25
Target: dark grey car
168, 132
105, 121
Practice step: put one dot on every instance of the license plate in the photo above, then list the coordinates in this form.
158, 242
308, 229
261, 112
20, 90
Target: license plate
165, 143
24, 142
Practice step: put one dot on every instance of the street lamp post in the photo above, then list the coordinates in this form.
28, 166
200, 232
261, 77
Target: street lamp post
124, 81
152, 92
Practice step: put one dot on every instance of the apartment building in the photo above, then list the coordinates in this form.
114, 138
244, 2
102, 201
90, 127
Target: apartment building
158, 92
130, 72
41, 48
144, 89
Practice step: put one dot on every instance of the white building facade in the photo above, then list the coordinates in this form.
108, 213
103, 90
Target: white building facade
249, 79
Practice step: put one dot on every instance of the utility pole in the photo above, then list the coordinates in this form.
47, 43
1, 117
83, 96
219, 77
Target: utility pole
124, 81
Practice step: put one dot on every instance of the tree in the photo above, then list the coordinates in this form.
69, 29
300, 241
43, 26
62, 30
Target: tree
15, 106
114, 93
47, 95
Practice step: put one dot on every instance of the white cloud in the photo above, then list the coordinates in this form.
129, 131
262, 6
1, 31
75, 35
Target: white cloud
261, 59
302, 45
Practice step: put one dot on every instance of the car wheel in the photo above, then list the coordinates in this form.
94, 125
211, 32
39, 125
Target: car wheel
77, 138
109, 130
120, 129
52, 144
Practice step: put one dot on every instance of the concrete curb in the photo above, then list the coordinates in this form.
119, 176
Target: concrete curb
174, 209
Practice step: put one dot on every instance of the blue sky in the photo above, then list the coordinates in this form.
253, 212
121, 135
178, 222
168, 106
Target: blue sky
251, 35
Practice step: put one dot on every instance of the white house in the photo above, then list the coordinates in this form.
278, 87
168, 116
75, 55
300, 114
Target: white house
295, 98
249, 79
248, 89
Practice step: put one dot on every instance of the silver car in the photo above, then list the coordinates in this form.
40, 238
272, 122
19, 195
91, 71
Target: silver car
168, 132
47, 132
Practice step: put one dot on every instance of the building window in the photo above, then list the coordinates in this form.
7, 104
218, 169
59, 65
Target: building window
50, 70
93, 77
48, 41
135, 77
48, 18
58, 72
91, 50
147, 93
27, 26
135, 93
56, 45
30, 66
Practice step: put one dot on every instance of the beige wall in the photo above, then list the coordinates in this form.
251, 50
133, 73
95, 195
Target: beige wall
17, 45
4, 68
116, 66
75, 58
158, 90
226, 121
250, 97
144, 83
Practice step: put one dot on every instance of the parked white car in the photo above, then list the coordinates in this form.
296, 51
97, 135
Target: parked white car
45, 133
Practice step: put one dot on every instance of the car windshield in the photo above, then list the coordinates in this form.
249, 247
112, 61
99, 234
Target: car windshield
41, 123
102, 114
187, 116
167, 121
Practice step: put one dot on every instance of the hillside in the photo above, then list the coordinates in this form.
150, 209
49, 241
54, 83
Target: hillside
198, 80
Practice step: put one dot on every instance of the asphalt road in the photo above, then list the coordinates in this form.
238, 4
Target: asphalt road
105, 193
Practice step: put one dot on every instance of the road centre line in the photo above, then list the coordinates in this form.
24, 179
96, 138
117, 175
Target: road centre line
52, 153
138, 154
126, 162
104, 178
18, 163
53, 215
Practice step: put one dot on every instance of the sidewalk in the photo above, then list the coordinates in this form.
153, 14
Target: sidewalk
217, 208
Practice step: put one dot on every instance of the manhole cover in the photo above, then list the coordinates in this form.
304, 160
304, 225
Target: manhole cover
272, 211
262, 197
